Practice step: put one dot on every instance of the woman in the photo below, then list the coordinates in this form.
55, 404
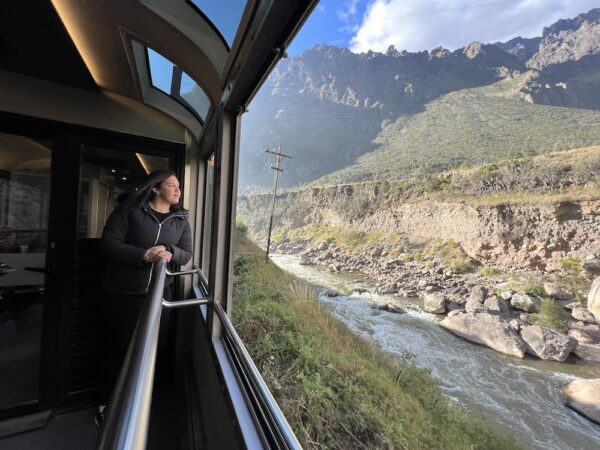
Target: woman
147, 227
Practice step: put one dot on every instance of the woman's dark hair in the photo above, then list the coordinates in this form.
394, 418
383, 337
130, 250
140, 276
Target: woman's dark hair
144, 193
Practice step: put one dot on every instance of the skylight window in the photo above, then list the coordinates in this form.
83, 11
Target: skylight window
224, 14
174, 82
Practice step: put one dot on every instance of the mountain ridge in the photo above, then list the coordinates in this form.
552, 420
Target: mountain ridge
330, 106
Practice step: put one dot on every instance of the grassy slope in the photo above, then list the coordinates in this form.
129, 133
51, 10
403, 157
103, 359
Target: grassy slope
336, 390
472, 126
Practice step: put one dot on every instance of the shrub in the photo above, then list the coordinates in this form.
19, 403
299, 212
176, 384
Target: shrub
489, 271
241, 226
571, 265
534, 289
552, 314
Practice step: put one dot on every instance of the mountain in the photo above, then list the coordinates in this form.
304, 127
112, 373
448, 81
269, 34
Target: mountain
333, 109
522, 48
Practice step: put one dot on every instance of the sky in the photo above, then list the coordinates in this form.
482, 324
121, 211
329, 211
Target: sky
416, 25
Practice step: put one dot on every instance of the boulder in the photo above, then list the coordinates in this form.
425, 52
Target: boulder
478, 293
507, 295
546, 343
497, 305
591, 330
588, 352
580, 336
391, 288
332, 293
454, 312
390, 307
527, 303
594, 299
591, 264
583, 315
558, 291
486, 329
434, 303
584, 397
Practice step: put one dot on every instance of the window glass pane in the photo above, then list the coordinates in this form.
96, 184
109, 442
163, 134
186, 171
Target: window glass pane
177, 84
194, 95
24, 205
224, 14
161, 71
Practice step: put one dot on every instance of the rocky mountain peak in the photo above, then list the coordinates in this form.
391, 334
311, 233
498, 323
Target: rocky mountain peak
439, 52
569, 40
521, 48
571, 25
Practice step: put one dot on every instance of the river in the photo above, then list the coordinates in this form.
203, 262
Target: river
520, 397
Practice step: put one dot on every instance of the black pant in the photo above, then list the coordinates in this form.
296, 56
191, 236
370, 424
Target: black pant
119, 315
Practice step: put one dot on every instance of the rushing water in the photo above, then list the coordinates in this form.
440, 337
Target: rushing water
521, 397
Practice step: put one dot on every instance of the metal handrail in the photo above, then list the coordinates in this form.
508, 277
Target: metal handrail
126, 426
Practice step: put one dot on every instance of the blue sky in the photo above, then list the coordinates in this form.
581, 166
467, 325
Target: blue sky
416, 25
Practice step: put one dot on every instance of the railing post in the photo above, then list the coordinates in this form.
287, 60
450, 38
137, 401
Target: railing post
126, 425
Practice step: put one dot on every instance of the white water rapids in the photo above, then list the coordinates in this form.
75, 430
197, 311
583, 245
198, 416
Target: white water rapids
519, 397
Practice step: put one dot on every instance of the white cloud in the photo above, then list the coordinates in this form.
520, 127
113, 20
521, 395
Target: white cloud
348, 12
321, 8
416, 25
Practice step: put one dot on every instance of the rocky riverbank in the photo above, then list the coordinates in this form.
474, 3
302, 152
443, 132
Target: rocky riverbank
491, 311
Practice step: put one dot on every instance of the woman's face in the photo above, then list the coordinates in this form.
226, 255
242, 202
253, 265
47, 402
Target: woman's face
169, 190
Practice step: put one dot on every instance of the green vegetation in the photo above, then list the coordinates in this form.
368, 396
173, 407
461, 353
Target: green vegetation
534, 289
452, 254
489, 271
551, 315
336, 390
479, 126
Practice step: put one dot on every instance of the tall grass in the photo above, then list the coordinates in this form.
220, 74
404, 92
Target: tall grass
336, 390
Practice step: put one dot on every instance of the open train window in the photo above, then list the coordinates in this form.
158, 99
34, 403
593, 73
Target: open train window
170, 79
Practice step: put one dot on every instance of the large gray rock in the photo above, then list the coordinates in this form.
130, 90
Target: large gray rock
591, 264
558, 291
583, 314
584, 397
591, 330
497, 305
580, 336
486, 329
546, 343
478, 293
527, 303
594, 299
588, 352
434, 303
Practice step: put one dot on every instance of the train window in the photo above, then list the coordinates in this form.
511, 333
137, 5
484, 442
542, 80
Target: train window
25, 168
224, 14
171, 80
106, 178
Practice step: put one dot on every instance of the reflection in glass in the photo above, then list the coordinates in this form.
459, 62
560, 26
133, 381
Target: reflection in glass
106, 178
224, 14
24, 202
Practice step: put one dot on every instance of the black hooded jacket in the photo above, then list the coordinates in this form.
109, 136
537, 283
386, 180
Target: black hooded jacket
125, 239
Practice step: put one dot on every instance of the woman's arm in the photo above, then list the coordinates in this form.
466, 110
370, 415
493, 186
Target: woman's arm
113, 242
182, 251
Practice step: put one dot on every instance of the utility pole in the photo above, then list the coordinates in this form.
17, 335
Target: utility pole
277, 168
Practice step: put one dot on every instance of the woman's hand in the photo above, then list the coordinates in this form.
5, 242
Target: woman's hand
152, 253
